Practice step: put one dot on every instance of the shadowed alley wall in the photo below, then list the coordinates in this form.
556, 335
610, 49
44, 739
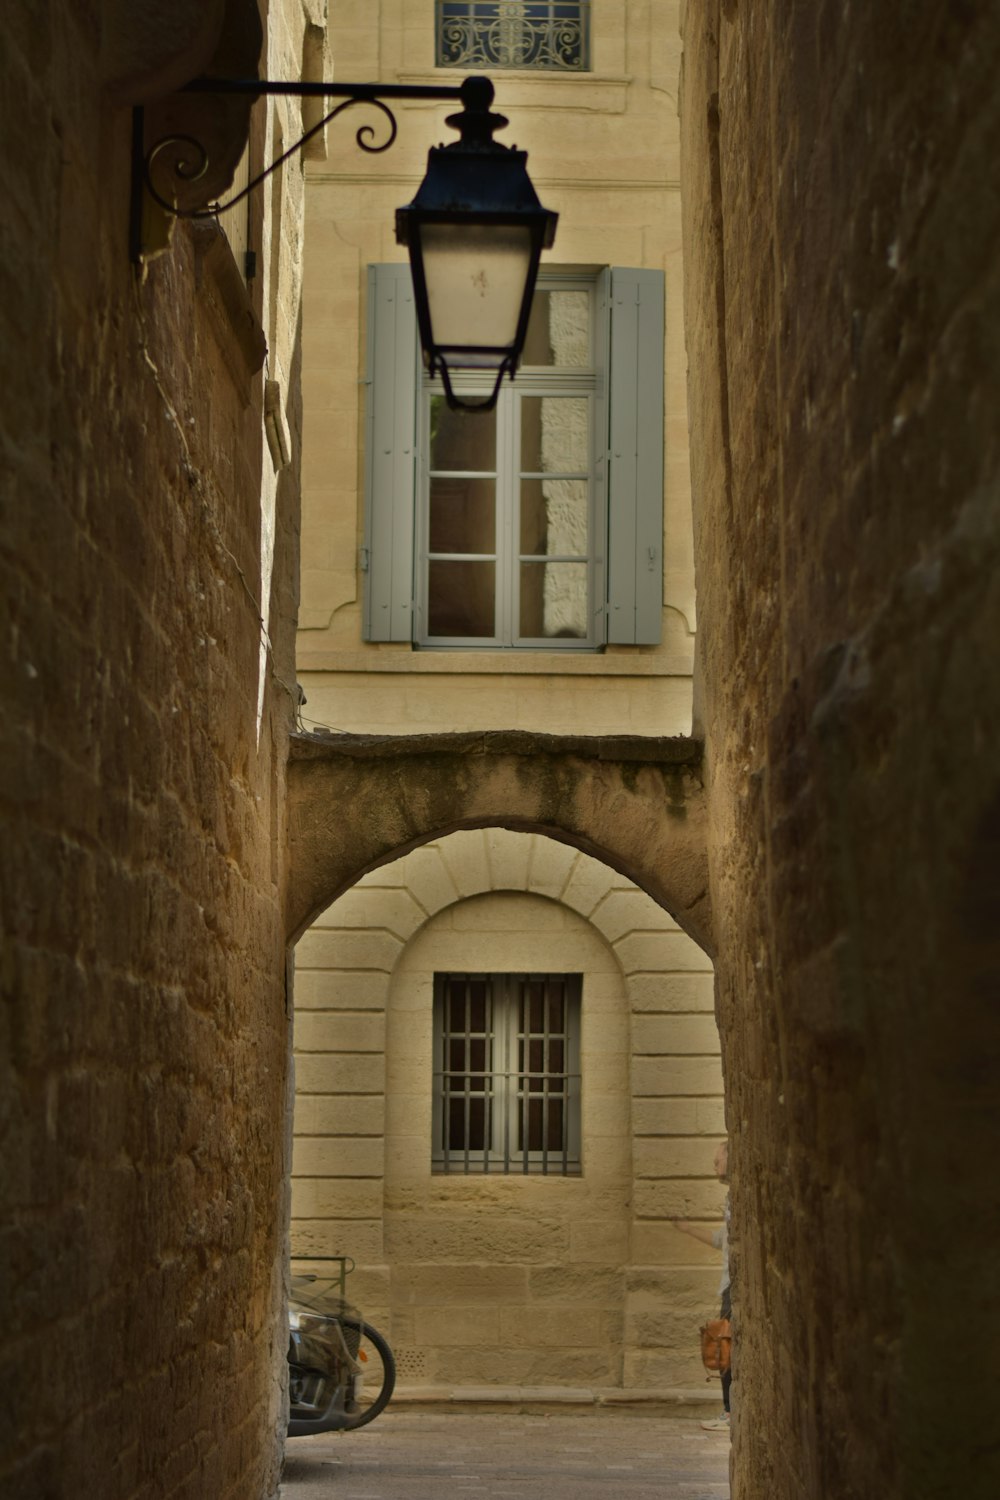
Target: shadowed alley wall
843, 308
144, 1027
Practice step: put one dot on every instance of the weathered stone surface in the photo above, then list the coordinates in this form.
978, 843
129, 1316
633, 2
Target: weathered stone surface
148, 48
843, 300
143, 1067
359, 800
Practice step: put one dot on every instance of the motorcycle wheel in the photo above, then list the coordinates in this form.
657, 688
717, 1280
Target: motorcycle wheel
379, 1370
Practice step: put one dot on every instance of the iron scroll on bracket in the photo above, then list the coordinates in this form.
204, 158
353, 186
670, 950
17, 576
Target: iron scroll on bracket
175, 169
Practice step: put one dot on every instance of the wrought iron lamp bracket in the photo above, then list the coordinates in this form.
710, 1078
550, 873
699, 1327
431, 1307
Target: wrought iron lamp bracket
180, 160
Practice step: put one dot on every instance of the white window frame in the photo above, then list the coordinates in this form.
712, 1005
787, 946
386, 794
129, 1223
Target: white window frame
579, 383
503, 1094
626, 571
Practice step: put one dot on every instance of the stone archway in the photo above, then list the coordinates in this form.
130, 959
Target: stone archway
589, 1261
636, 803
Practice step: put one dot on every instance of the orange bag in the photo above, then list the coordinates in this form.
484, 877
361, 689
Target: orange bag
717, 1345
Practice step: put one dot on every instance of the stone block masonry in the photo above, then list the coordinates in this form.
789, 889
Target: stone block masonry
144, 1027
512, 1281
843, 305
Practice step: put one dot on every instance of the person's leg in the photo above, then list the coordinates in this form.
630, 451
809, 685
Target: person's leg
726, 1311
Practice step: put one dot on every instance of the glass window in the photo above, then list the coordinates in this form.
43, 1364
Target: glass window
547, 34
507, 1073
538, 526
509, 497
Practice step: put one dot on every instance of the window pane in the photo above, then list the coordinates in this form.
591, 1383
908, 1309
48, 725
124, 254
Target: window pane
558, 330
554, 600
461, 598
545, 1125
555, 1124
456, 1006
477, 1006
458, 1140
463, 515
456, 1054
554, 517
462, 440
555, 434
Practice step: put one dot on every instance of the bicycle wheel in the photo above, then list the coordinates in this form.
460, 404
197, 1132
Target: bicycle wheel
378, 1372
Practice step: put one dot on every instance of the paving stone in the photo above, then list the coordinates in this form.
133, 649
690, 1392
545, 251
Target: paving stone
595, 1455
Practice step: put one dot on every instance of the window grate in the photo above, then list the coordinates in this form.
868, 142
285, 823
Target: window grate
506, 1078
551, 35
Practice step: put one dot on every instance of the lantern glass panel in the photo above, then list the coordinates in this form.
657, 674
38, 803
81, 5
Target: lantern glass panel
475, 277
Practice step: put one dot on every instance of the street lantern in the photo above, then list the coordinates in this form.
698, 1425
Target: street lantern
475, 233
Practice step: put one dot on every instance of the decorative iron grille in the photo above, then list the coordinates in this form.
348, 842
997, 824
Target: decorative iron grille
545, 34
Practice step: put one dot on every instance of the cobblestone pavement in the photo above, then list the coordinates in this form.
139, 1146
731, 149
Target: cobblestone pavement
483, 1456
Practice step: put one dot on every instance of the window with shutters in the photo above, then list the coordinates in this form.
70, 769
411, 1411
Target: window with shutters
507, 1073
538, 525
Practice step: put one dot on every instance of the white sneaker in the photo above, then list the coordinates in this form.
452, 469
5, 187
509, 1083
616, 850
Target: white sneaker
717, 1424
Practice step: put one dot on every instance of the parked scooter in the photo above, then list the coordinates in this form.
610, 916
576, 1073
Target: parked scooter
341, 1370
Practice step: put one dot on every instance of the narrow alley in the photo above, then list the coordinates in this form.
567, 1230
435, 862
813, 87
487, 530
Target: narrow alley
420, 1456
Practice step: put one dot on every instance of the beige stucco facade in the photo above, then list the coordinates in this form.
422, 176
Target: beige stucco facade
602, 151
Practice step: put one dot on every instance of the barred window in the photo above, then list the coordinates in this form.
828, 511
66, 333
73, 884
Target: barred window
553, 35
507, 1073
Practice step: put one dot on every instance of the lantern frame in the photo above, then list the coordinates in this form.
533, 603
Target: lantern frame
474, 183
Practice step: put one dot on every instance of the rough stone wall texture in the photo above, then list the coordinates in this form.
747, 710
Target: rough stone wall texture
144, 1027
843, 303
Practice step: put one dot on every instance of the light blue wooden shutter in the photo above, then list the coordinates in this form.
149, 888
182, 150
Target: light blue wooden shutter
635, 458
602, 417
390, 476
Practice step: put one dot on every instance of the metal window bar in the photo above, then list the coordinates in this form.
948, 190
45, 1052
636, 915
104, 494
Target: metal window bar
458, 1077
508, 1043
551, 35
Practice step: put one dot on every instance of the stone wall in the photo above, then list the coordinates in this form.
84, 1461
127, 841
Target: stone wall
843, 301
144, 737
511, 1286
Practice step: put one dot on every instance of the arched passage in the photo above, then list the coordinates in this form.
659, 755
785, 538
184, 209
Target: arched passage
504, 1280
636, 803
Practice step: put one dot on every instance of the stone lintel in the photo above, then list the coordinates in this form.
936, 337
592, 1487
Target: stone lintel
676, 750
